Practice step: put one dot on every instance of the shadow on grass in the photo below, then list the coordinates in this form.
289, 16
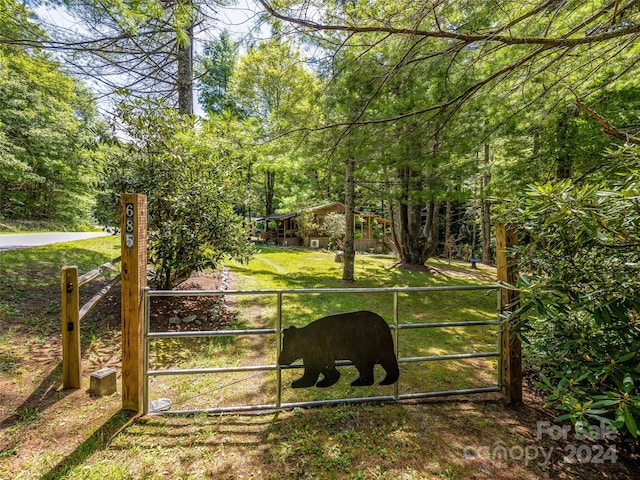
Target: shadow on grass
242, 430
42, 397
367, 276
99, 440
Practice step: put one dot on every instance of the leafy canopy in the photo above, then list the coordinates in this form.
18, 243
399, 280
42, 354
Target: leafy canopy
47, 130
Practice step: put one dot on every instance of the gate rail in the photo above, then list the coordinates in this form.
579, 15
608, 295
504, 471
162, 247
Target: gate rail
395, 327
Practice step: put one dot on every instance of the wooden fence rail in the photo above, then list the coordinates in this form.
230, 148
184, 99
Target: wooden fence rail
72, 313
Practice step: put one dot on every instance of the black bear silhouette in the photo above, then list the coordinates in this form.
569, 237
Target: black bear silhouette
362, 337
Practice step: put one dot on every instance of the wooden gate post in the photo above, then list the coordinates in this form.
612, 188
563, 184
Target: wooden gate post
133, 281
511, 358
70, 327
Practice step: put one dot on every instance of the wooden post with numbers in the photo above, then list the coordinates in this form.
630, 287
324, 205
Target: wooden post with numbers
511, 358
70, 328
133, 280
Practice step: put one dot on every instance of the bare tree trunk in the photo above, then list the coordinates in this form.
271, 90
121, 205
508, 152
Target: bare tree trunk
486, 211
487, 257
474, 233
430, 230
269, 187
447, 250
563, 160
349, 201
184, 81
416, 242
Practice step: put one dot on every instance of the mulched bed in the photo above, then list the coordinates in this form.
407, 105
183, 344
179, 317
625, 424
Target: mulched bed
189, 313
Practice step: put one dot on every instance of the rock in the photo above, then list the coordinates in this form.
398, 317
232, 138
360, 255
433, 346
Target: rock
189, 319
175, 320
160, 404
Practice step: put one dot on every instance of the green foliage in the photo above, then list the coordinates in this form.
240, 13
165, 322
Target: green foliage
306, 223
217, 64
191, 184
333, 225
270, 84
46, 138
276, 96
581, 312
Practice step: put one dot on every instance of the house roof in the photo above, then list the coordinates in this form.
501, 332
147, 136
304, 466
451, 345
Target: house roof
280, 216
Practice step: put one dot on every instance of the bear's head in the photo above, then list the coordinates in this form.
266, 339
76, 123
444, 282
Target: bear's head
291, 346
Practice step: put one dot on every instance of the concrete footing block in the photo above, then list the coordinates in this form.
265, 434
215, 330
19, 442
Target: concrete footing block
103, 382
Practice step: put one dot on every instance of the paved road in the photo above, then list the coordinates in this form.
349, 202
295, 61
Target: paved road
11, 241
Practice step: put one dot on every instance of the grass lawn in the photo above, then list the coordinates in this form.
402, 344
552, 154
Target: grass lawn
31, 226
49, 433
295, 269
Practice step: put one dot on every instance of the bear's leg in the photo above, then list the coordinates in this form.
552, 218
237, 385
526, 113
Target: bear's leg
391, 367
309, 379
331, 376
365, 369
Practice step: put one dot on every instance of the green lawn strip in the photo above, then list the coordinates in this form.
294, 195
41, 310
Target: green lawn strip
344, 442
30, 293
35, 226
30, 333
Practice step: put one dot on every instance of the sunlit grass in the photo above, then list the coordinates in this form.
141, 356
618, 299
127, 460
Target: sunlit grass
43, 263
294, 269
76, 437
31, 278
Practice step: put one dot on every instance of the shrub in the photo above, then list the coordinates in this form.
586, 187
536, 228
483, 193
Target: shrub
579, 274
190, 188
333, 225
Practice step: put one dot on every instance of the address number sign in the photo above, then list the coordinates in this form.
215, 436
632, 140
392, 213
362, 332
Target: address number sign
128, 222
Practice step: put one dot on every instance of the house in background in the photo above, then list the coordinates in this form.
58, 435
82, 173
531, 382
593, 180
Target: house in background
284, 229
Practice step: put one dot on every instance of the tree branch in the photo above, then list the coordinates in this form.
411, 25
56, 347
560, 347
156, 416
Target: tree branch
606, 126
468, 38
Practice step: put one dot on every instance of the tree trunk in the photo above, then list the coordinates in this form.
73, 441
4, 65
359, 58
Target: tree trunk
474, 233
184, 81
487, 257
430, 230
349, 201
486, 212
269, 187
415, 240
448, 241
563, 160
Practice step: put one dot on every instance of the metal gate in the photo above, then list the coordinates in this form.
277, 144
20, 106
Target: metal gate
280, 295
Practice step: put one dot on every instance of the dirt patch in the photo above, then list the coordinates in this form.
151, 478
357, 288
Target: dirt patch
170, 313
479, 275
458, 269
192, 313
